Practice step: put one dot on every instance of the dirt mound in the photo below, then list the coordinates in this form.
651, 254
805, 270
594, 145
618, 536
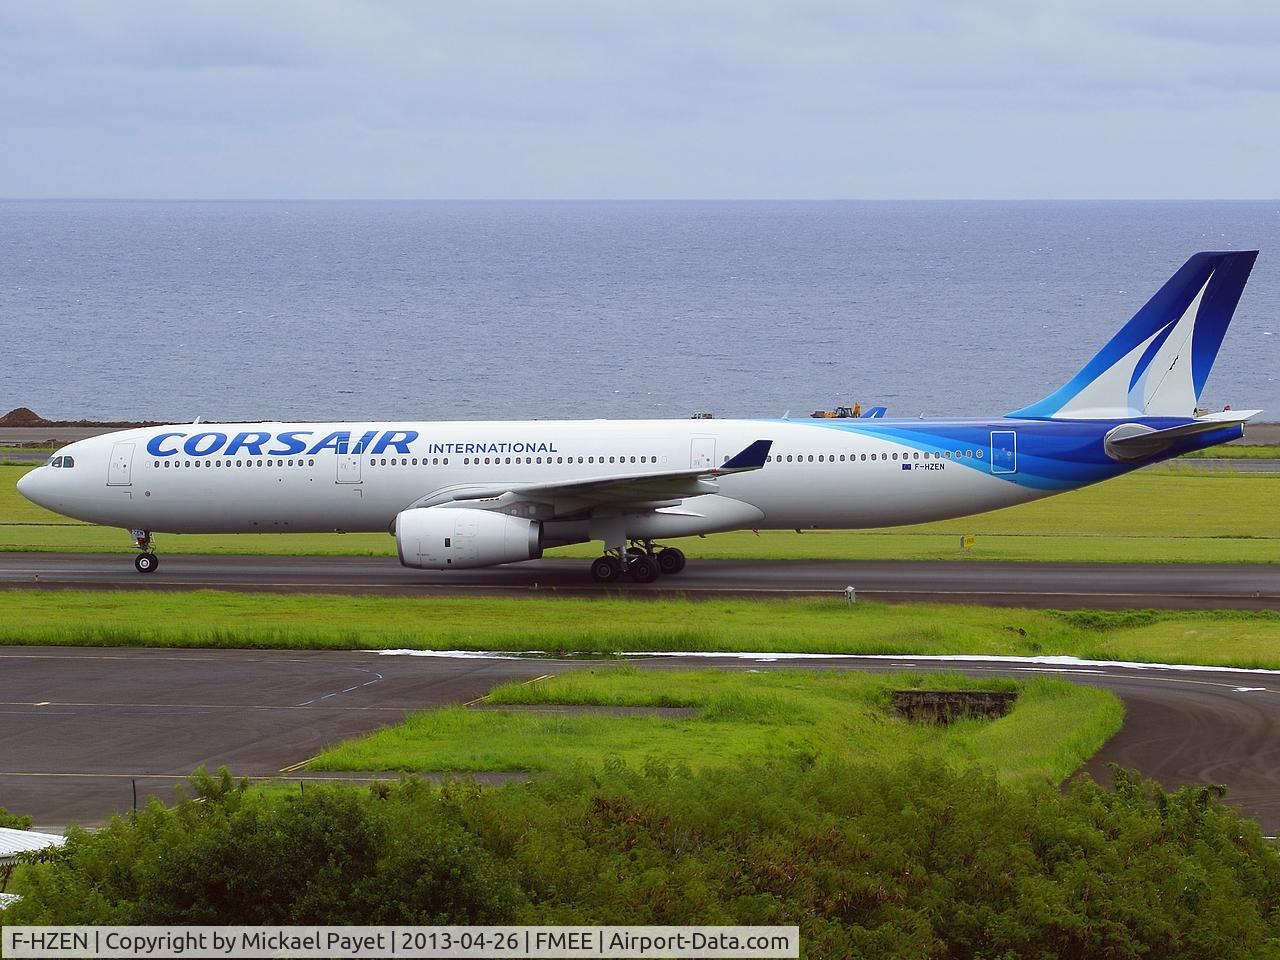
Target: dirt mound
26, 417
22, 417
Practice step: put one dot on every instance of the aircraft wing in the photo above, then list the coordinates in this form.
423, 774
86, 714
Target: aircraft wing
566, 497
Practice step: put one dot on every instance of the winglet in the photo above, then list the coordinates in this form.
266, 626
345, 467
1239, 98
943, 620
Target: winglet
752, 458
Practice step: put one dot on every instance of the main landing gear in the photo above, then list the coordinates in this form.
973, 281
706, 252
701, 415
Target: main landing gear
643, 562
146, 561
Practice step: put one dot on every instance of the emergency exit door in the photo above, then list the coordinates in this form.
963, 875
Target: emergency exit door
120, 468
702, 453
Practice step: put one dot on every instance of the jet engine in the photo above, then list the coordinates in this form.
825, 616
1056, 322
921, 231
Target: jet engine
442, 538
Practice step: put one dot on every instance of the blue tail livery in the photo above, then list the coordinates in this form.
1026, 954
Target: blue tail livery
1156, 366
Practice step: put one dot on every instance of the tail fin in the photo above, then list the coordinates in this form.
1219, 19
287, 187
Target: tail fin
1156, 366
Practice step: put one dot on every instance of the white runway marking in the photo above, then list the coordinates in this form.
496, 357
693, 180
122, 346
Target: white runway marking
1065, 664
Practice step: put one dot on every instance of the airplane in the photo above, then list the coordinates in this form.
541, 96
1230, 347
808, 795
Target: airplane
467, 494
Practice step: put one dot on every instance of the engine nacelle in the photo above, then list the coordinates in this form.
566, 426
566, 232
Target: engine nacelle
442, 538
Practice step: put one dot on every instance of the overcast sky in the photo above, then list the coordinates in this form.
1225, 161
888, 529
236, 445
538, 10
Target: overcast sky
891, 99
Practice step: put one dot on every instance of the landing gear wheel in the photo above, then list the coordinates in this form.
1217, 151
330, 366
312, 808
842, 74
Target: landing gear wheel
643, 569
146, 562
605, 569
671, 560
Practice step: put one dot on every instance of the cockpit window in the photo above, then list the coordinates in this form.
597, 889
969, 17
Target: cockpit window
61, 462
55, 462
68, 462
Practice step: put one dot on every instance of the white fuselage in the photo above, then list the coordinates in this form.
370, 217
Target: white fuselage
278, 477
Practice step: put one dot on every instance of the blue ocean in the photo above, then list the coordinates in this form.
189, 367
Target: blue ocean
469, 310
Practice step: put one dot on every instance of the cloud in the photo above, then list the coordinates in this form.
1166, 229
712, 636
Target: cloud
812, 98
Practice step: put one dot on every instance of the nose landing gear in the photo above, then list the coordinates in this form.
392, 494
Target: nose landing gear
146, 561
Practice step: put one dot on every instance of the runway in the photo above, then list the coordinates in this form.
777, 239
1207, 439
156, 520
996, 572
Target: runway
1056, 585
83, 726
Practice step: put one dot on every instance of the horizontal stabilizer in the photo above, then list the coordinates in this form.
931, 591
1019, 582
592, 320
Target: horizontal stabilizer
1137, 441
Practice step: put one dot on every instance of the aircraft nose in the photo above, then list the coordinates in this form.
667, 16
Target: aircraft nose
29, 484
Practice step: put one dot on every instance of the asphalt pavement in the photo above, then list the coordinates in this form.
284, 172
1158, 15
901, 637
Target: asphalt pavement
83, 727
1056, 585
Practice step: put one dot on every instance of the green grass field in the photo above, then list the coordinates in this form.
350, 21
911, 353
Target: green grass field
1175, 516
1236, 451
1052, 729
606, 626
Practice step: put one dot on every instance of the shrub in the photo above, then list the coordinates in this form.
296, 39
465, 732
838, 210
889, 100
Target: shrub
912, 860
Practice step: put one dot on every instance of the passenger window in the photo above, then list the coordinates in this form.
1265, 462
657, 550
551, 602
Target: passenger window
978, 454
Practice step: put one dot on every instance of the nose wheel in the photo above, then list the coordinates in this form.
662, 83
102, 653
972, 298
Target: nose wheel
146, 561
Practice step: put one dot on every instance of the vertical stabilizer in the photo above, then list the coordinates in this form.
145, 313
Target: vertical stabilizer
1157, 365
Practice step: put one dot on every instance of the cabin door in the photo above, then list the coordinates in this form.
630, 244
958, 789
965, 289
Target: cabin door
1004, 451
348, 468
120, 469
